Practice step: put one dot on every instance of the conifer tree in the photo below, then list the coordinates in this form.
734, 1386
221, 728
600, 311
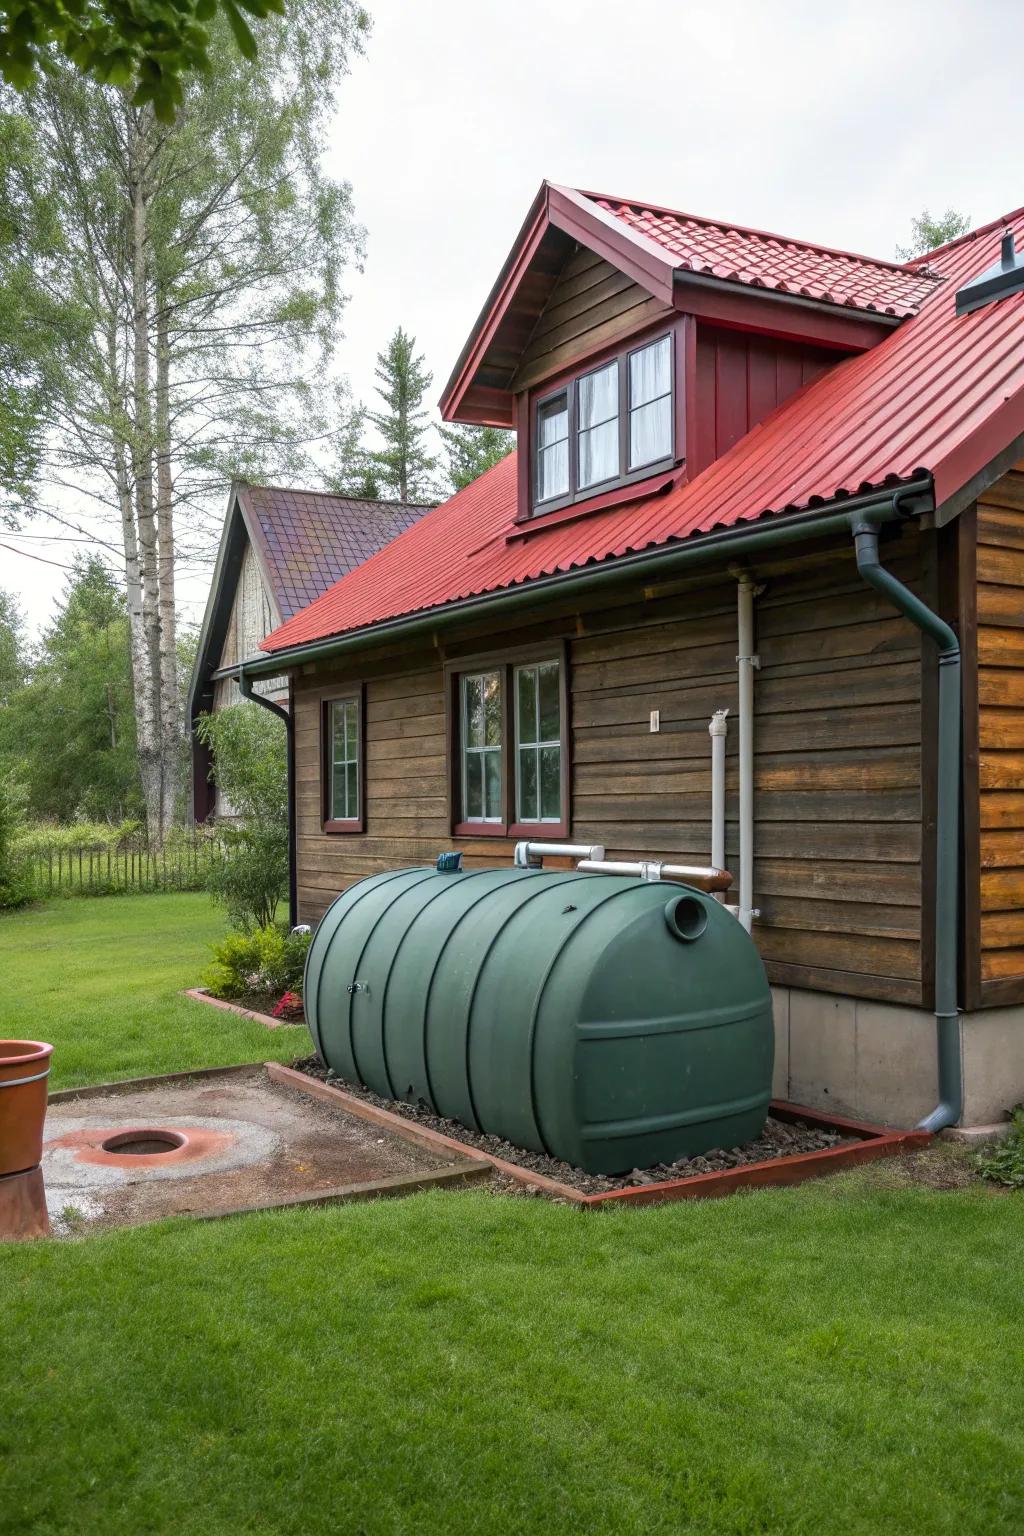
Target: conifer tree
404, 466
472, 450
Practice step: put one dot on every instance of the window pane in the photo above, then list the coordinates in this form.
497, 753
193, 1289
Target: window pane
553, 422
553, 471
473, 711
492, 785
650, 432
350, 731
650, 372
474, 787
598, 396
492, 708
550, 703
526, 689
338, 794
550, 783
599, 454
352, 805
528, 784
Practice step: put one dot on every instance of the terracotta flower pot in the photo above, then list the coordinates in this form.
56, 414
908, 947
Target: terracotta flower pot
24, 1074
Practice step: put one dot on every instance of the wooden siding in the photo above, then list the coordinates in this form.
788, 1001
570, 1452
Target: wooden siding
251, 619
591, 305
739, 378
999, 808
837, 764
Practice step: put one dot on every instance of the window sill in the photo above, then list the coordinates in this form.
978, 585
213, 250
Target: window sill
658, 484
335, 828
537, 832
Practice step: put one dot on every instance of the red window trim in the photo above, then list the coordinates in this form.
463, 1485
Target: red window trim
565, 382
350, 825
507, 661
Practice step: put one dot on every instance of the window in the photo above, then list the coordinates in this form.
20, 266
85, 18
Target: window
481, 730
538, 742
510, 747
342, 771
610, 425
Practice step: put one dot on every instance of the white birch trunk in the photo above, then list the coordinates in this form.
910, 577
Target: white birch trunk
170, 702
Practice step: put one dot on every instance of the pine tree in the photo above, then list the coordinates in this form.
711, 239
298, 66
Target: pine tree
472, 450
403, 465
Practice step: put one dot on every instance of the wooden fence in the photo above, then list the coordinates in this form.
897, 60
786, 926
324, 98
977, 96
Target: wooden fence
95, 869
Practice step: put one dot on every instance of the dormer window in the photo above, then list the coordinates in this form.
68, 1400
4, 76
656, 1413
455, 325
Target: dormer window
605, 427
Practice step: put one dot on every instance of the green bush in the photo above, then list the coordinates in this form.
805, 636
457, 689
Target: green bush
1004, 1163
266, 960
250, 767
16, 884
42, 837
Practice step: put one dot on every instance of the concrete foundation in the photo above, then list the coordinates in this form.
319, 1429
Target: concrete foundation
876, 1061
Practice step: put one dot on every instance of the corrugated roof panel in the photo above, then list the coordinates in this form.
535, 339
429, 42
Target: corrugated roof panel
942, 393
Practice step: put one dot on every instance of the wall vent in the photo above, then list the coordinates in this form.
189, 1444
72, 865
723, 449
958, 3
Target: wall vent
1006, 277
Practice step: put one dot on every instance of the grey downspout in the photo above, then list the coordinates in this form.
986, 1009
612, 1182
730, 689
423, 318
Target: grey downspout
245, 688
949, 1109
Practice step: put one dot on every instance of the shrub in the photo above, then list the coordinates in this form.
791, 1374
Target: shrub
16, 885
250, 767
1004, 1163
265, 960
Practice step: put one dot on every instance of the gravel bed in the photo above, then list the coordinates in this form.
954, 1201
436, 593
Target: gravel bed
778, 1139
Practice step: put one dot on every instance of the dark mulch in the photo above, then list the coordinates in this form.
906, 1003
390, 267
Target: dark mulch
778, 1139
263, 1002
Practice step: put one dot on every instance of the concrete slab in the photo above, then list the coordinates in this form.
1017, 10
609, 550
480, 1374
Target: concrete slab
240, 1142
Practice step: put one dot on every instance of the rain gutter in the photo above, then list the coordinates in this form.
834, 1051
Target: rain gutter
245, 688
874, 508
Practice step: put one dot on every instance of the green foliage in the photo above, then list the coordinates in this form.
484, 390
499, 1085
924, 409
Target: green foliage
250, 769
472, 450
34, 838
1004, 1162
403, 465
262, 960
16, 885
927, 233
14, 661
69, 732
148, 45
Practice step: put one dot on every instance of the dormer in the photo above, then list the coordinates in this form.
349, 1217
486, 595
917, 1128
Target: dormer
630, 345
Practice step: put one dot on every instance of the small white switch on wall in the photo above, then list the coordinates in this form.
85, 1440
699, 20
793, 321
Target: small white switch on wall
655, 719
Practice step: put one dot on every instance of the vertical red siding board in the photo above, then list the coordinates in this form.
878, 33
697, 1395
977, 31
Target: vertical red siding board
731, 419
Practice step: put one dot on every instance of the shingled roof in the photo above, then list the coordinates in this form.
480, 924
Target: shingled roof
941, 395
307, 540
734, 253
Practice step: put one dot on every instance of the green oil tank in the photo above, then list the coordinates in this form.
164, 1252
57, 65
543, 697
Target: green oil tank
609, 1021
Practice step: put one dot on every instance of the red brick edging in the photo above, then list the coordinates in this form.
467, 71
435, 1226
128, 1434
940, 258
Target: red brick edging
871, 1141
200, 995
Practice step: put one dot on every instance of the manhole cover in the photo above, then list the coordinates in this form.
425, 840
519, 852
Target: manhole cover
143, 1143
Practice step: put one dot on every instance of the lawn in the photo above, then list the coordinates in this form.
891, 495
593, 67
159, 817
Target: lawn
101, 978
841, 1359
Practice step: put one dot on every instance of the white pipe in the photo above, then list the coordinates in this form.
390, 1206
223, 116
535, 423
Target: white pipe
746, 661
718, 728
532, 855
701, 876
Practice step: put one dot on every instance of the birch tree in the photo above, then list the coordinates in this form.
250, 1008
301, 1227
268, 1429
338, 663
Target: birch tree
207, 255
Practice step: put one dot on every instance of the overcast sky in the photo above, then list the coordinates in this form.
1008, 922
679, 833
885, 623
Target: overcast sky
832, 123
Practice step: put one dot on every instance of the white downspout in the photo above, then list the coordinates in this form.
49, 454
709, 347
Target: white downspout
718, 728
746, 661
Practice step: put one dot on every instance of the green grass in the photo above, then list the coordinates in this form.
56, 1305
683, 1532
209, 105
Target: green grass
101, 979
788, 1362
842, 1359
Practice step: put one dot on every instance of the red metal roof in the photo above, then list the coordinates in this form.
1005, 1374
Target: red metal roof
940, 394
757, 259
309, 539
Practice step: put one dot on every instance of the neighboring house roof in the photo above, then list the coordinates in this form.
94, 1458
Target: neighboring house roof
303, 542
940, 395
306, 540
751, 256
